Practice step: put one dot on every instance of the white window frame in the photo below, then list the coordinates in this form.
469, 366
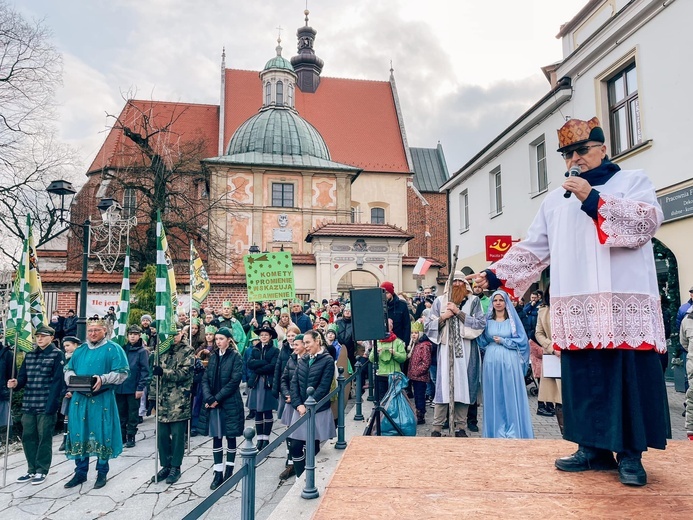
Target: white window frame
536, 165
464, 211
496, 191
129, 202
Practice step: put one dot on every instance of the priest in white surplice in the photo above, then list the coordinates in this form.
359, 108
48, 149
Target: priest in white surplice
606, 317
456, 321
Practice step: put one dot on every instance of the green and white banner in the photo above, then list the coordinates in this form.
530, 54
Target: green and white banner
166, 296
269, 276
123, 313
19, 328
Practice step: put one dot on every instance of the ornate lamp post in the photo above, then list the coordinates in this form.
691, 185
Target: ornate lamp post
62, 194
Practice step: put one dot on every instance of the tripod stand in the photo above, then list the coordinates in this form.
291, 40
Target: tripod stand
374, 419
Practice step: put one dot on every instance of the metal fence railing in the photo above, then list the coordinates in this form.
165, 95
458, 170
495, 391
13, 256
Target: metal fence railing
251, 457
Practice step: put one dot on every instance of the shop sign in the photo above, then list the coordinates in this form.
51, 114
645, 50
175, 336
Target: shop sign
678, 204
497, 246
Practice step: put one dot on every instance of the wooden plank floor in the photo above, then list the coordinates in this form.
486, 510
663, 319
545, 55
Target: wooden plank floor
418, 478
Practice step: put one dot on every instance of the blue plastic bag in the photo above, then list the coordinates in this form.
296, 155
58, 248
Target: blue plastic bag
398, 407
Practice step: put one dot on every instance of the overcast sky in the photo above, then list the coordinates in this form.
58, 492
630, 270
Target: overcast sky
465, 69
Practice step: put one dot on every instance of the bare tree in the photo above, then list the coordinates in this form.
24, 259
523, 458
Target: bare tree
30, 155
162, 167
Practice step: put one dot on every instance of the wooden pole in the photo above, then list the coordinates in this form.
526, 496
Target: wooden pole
451, 352
9, 411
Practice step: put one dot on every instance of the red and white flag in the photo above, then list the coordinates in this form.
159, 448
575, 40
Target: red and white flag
422, 266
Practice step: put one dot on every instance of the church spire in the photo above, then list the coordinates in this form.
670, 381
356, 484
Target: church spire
306, 64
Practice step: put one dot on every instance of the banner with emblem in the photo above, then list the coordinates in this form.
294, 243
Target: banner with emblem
123, 312
166, 296
199, 281
19, 324
269, 276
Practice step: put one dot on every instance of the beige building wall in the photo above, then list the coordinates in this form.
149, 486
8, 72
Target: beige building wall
387, 191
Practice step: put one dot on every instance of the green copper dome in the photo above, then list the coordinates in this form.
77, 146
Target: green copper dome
279, 62
278, 131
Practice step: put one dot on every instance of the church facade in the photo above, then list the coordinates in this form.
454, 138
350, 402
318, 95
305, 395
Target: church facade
289, 160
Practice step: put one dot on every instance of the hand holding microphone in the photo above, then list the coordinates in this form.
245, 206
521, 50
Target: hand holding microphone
573, 172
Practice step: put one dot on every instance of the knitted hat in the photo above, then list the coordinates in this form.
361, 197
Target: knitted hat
389, 287
576, 132
147, 317
417, 326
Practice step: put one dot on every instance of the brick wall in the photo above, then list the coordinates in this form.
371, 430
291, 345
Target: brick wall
67, 301
432, 218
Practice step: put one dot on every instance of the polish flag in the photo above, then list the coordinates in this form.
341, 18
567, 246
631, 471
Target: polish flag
422, 266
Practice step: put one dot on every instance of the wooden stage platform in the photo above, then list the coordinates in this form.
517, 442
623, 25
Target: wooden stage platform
420, 478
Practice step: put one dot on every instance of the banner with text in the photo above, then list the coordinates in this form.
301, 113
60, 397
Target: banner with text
269, 276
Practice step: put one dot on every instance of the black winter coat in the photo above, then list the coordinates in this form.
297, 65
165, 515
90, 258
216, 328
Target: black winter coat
398, 312
261, 363
284, 354
319, 375
220, 383
6, 371
288, 375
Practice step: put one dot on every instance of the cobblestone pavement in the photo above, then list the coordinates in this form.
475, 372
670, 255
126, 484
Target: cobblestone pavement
130, 495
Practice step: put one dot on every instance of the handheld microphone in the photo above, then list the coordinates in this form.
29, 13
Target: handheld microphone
575, 170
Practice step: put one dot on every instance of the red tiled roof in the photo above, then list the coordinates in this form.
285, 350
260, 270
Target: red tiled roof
356, 118
358, 230
192, 121
410, 261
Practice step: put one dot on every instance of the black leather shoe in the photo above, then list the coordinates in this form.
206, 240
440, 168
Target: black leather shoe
436, 433
218, 480
100, 481
586, 459
228, 472
173, 476
76, 480
161, 476
129, 441
473, 427
461, 433
631, 472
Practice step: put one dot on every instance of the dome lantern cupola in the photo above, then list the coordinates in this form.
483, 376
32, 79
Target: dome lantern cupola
278, 81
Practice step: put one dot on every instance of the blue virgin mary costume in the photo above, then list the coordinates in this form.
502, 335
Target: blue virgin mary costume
506, 407
94, 426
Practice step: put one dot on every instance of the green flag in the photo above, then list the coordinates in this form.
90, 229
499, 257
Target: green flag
123, 313
19, 329
269, 276
166, 296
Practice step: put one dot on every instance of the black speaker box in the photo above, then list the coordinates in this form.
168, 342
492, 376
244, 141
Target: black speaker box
369, 312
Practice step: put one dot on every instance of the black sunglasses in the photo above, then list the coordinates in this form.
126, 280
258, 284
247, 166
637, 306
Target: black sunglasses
581, 151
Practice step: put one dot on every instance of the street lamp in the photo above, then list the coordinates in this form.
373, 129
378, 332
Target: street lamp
112, 229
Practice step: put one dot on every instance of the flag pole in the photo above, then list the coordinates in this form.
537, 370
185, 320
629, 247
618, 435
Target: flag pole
192, 397
156, 417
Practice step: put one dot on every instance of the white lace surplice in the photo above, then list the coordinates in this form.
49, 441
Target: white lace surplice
604, 290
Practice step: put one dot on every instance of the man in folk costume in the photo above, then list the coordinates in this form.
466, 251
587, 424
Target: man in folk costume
95, 430
605, 307
456, 318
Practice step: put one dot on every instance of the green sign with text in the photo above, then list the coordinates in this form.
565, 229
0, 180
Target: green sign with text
269, 276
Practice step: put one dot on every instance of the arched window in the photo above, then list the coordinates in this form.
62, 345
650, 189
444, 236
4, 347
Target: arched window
280, 93
291, 95
377, 216
268, 93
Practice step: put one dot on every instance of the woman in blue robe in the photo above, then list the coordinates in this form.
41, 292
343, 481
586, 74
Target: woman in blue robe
506, 408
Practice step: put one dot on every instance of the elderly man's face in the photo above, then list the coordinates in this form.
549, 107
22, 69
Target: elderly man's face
593, 158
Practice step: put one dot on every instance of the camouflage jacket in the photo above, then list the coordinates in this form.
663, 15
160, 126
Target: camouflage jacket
174, 385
